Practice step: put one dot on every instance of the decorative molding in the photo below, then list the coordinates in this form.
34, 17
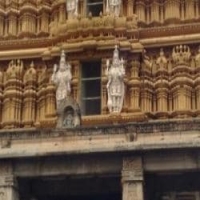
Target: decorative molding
137, 128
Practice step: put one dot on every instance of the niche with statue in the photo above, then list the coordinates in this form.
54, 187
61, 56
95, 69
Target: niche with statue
68, 110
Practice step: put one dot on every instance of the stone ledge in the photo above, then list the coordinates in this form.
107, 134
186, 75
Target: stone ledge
91, 145
150, 127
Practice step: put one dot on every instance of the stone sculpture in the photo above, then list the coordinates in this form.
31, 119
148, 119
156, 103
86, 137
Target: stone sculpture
67, 109
146, 60
72, 8
181, 54
113, 7
115, 86
62, 78
161, 60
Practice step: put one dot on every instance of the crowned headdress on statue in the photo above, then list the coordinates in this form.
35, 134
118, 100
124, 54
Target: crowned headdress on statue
115, 56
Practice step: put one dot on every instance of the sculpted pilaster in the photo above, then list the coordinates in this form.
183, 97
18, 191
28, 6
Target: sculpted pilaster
162, 14
155, 11
132, 178
1, 25
196, 9
41, 94
104, 90
75, 81
146, 83
134, 85
172, 9
189, 10
161, 85
140, 10
181, 85
130, 4
12, 101
44, 22
1, 95
29, 101
28, 19
182, 10
148, 14
50, 102
197, 81
12, 25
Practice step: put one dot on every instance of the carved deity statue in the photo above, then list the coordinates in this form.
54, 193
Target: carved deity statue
72, 8
15, 69
181, 54
115, 85
113, 7
62, 78
161, 60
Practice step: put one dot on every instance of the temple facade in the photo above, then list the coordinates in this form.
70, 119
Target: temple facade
99, 99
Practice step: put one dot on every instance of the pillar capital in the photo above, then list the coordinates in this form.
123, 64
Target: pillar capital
8, 181
132, 169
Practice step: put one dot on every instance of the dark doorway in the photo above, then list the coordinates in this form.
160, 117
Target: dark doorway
70, 188
177, 186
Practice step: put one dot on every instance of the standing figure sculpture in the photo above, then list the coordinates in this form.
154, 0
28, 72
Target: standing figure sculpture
115, 85
113, 7
62, 78
72, 8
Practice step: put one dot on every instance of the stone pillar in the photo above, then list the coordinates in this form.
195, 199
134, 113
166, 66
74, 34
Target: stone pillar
8, 183
132, 179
